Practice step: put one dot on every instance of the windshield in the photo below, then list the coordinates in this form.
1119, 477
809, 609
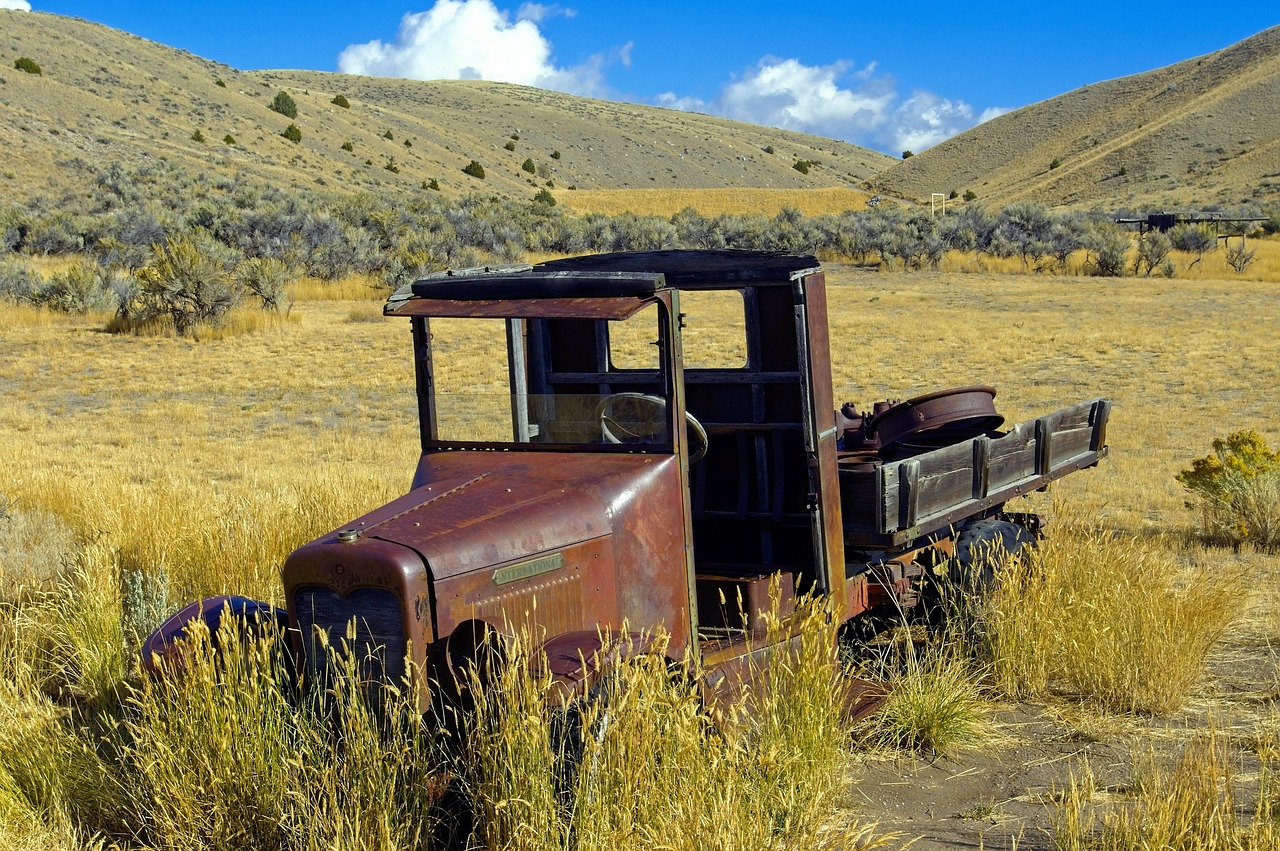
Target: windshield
550, 383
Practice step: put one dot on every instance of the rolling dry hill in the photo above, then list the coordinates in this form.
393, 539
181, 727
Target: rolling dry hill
104, 95
1202, 131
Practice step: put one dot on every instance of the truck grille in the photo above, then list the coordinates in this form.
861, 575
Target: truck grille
374, 616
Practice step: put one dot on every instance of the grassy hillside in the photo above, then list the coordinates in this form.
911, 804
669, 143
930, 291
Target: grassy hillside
104, 95
1202, 131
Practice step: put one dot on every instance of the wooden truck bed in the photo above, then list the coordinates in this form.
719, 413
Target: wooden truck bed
901, 501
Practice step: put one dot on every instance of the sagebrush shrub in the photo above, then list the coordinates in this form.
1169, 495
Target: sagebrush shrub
1240, 259
1237, 489
189, 280
339, 100
29, 65
293, 133
474, 169
79, 289
18, 283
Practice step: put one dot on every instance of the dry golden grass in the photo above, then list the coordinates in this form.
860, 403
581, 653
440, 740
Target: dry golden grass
352, 288
712, 202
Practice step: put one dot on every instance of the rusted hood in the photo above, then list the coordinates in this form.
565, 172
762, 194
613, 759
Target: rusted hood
480, 509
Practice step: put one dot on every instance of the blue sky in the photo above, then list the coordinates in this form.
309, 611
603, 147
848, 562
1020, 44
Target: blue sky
887, 75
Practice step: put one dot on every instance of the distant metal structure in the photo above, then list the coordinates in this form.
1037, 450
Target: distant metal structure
1166, 221
933, 197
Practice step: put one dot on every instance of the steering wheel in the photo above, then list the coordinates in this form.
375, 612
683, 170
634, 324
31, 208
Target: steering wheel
638, 418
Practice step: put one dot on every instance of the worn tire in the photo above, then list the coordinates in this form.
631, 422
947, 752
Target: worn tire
981, 549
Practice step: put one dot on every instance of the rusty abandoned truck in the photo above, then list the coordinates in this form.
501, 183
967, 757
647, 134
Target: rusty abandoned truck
633, 439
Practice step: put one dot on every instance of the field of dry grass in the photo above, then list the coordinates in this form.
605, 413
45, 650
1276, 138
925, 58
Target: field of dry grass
208, 461
713, 202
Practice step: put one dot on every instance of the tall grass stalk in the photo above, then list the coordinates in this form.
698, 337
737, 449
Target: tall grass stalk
933, 702
509, 765
1107, 618
651, 770
1189, 806
227, 755
213, 748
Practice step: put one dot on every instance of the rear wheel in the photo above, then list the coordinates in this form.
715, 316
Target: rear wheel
951, 597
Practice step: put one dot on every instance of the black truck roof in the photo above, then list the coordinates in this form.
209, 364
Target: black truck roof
627, 273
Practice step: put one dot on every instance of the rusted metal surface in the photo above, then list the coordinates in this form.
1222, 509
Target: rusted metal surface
938, 419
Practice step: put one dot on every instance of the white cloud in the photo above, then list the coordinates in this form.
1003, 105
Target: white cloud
993, 112
925, 119
539, 12
473, 39
859, 106
785, 93
16, 5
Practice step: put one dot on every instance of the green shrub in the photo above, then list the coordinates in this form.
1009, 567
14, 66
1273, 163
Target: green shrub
197, 137
528, 166
906, 155
545, 198
1123, 171
408, 144
768, 149
510, 146
339, 100
220, 84
1237, 490
432, 184
391, 165
388, 135
284, 104
293, 133
1197, 239
555, 155
228, 139
347, 146
1054, 163
970, 195
515, 137
474, 169
801, 166
29, 65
